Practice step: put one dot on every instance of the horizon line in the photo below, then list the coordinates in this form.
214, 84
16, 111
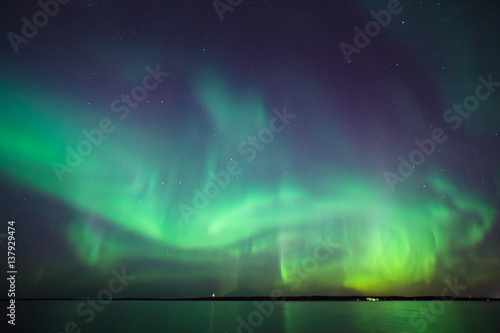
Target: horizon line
274, 299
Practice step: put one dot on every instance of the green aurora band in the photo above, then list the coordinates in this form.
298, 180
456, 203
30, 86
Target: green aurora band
382, 241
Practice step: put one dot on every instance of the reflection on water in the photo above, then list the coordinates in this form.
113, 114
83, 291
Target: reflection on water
263, 316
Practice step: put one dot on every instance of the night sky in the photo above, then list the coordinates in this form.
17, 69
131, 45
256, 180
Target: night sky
309, 146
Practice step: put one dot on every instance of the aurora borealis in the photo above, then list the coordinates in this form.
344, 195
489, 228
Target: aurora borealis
258, 144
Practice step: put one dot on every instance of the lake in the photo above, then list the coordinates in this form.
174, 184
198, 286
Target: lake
261, 316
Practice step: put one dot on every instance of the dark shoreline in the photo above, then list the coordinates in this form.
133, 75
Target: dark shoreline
282, 298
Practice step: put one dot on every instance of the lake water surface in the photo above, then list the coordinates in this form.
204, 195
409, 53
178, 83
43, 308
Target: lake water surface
247, 316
